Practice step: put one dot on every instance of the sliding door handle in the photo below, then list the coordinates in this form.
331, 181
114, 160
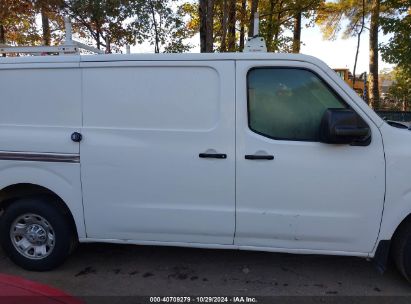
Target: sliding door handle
213, 155
256, 157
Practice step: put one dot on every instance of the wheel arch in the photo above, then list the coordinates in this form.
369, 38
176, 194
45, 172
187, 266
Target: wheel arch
384, 246
13, 192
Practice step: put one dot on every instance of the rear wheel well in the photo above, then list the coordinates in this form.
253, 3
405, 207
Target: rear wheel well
14, 192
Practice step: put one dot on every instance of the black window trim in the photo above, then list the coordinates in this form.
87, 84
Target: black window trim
332, 90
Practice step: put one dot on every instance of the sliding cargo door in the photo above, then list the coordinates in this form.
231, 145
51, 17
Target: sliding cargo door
158, 151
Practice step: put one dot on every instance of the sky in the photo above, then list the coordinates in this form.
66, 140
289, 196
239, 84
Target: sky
341, 52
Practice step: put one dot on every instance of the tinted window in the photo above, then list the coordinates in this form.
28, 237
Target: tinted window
288, 104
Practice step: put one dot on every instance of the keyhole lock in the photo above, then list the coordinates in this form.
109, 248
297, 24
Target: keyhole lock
76, 137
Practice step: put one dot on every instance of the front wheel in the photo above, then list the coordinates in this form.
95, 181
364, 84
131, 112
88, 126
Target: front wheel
401, 250
35, 234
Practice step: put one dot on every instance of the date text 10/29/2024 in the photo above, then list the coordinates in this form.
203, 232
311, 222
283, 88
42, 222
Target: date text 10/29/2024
200, 299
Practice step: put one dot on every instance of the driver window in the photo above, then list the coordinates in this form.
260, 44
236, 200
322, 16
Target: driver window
287, 103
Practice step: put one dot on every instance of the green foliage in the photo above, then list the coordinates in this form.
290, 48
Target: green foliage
162, 23
159, 23
277, 20
401, 88
331, 14
189, 10
398, 49
100, 20
17, 20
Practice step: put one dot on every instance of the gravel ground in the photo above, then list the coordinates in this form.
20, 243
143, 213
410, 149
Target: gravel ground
124, 270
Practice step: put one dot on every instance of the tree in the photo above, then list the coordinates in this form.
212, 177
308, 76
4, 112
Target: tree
202, 12
159, 23
243, 21
358, 42
374, 95
330, 17
302, 9
401, 88
206, 14
17, 23
210, 25
232, 26
297, 33
398, 24
234, 18
279, 17
224, 23
49, 10
101, 20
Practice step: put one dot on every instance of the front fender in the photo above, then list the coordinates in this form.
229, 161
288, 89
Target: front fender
397, 147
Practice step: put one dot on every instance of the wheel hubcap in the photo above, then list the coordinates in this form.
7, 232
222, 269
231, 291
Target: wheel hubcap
32, 236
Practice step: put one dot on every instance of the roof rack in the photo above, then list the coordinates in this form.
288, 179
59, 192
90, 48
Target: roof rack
69, 47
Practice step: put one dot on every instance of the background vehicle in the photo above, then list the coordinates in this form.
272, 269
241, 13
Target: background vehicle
15, 290
360, 84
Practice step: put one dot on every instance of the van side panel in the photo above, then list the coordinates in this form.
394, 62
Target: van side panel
145, 125
40, 108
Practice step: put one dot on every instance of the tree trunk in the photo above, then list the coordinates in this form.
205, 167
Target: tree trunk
210, 26
270, 26
243, 21
2, 36
223, 47
98, 39
203, 25
277, 27
297, 33
45, 23
254, 8
156, 34
231, 25
98, 35
358, 44
373, 80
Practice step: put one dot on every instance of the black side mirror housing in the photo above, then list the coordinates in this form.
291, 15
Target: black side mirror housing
344, 126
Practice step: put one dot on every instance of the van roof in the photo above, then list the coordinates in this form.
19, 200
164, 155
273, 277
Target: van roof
160, 57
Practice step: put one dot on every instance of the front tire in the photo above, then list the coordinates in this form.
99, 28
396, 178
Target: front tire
401, 250
36, 234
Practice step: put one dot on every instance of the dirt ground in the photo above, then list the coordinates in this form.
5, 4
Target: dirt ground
125, 270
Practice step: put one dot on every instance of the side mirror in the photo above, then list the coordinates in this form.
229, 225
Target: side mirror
344, 126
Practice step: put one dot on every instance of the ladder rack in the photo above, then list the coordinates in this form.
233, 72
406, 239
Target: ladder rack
70, 46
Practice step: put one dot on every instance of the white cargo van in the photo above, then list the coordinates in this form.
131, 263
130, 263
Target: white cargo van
254, 151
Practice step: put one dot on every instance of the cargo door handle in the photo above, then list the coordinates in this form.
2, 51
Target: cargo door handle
256, 157
213, 155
